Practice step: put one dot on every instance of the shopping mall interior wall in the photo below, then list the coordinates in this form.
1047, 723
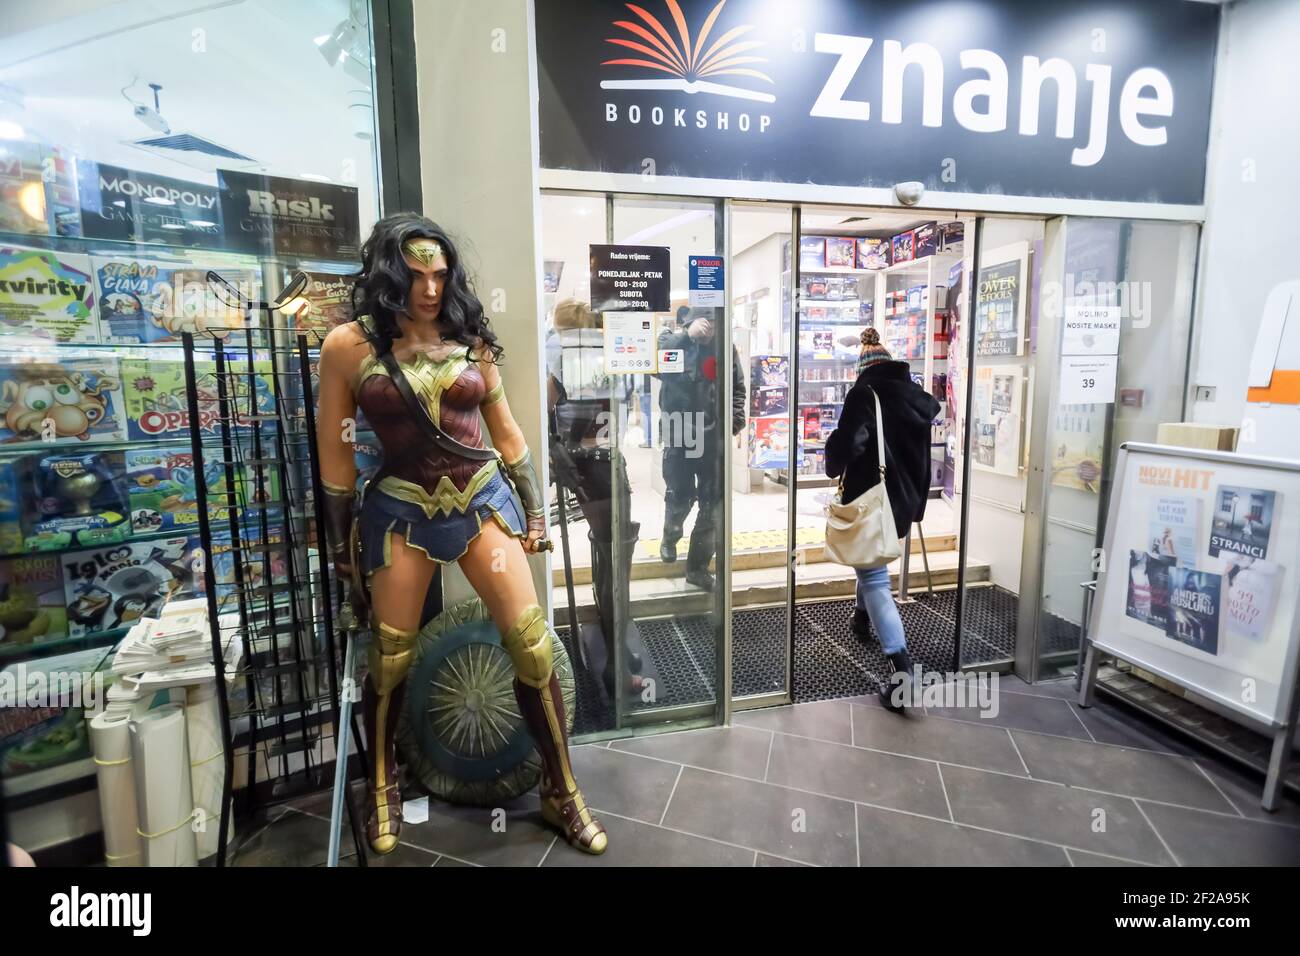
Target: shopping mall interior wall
478, 150
1253, 194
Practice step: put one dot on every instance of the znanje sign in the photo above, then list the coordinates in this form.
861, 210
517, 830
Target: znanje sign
1095, 100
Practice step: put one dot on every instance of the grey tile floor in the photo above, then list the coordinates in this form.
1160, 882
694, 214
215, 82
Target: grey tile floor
845, 783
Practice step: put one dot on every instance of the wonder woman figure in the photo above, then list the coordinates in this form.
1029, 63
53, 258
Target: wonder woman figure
436, 501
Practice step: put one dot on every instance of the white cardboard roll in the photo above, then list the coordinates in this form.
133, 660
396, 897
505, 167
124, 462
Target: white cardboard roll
162, 786
207, 762
110, 741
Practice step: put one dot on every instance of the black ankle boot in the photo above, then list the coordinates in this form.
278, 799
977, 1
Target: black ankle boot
897, 692
861, 625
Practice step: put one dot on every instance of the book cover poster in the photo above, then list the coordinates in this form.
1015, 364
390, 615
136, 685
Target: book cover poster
1251, 588
72, 401
1195, 599
1148, 589
1078, 444
328, 299
873, 253
1243, 519
50, 295
157, 404
32, 608
997, 418
1175, 528
812, 252
998, 309
111, 588
840, 253
135, 300
769, 442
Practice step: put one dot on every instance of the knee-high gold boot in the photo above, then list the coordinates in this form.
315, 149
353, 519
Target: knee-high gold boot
390, 657
537, 690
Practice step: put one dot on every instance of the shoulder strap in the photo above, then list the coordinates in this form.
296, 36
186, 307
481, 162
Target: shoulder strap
880, 432
421, 416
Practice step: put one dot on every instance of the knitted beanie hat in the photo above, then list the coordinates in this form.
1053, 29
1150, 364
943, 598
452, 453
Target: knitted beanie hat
872, 351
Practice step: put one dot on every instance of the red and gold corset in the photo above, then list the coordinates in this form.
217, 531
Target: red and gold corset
452, 390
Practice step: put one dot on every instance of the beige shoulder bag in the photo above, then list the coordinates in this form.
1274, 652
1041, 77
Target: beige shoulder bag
862, 534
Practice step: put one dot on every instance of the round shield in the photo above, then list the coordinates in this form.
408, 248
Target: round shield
461, 732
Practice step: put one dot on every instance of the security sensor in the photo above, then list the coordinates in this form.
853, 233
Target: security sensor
909, 194
151, 118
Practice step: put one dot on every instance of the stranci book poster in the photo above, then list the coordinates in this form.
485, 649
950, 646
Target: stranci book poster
1243, 520
1195, 602
46, 294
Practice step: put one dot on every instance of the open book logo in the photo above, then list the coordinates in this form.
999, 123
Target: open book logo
690, 63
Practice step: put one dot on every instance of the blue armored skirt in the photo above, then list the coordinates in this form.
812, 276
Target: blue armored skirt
443, 537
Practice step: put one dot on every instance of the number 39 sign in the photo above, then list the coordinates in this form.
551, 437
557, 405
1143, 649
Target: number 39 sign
1088, 379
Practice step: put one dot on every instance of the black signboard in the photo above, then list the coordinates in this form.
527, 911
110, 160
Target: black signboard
270, 215
629, 279
132, 206
1101, 99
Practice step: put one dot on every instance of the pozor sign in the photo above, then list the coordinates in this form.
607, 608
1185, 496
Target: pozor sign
1094, 100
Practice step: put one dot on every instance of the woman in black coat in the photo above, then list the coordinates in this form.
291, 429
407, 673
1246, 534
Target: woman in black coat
907, 411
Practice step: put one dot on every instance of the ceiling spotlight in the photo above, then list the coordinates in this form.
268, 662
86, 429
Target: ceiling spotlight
348, 44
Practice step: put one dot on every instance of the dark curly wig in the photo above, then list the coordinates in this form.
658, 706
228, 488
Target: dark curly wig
384, 281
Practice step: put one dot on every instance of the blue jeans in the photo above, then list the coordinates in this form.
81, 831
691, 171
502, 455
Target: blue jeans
875, 598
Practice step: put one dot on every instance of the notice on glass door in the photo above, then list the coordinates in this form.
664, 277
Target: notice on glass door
629, 278
1088, 379
630, 345
1090, 330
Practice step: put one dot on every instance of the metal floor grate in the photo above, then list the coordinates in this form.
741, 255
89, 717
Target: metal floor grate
829, 662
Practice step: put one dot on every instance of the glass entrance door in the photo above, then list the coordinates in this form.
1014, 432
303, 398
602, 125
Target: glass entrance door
637, 459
